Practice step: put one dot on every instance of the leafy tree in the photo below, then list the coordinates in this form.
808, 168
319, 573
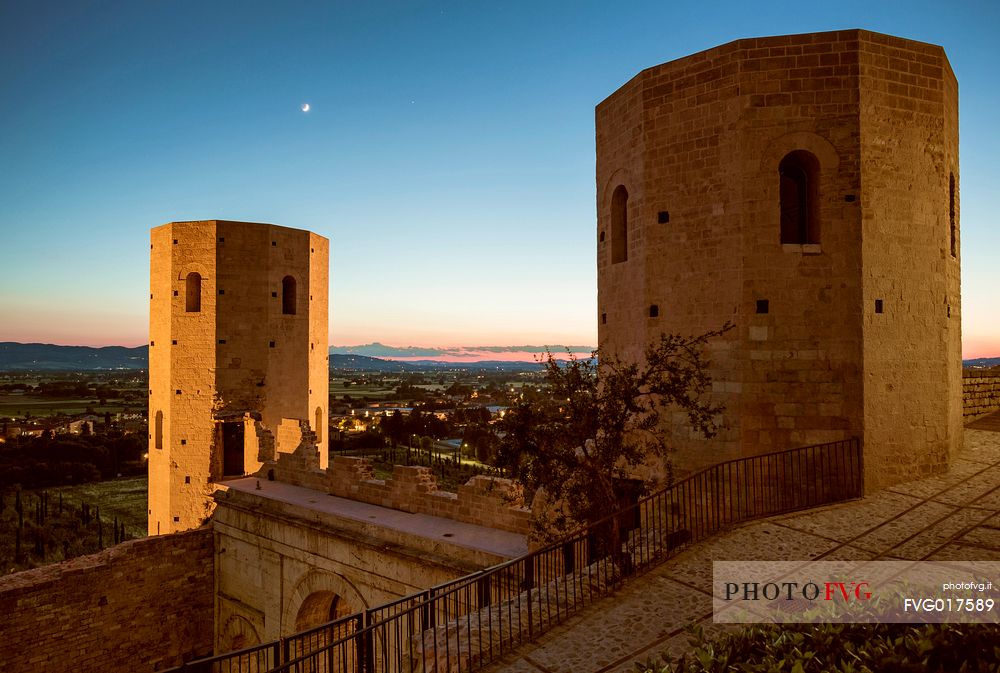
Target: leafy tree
481, 441
599, 423
394, 428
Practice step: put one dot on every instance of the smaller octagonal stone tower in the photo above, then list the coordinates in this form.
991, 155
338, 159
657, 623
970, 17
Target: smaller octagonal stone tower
238, 363
804, 188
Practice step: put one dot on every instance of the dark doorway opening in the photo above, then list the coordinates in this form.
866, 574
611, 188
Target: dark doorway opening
232, 449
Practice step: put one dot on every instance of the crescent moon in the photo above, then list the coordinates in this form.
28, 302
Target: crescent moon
305, 107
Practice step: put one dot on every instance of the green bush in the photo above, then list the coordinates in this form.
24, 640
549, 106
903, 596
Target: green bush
849, 648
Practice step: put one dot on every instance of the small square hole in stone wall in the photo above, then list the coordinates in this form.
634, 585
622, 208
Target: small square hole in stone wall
184, 442
602, 237
152, 343
274, 294
175, 241
222, 292
177, 519
222, 341
271, 344
604, 318
949, 310
850, 198
274, 244
177, 392
175, 293
654, 311
878, 305
187, 480
173, 342
222, 239
663, 217
763, 306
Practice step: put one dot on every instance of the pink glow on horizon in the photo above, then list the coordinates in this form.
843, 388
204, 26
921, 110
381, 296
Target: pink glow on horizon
980, 347
472, 356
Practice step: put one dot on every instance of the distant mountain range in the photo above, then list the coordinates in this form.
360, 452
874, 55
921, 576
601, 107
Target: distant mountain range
346, 363
26, 357
981, 363
48, 357
425, 355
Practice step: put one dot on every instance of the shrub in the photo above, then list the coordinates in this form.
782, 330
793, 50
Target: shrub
849, 648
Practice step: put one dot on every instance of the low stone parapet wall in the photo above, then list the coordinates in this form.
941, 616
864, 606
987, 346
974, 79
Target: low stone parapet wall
485, 501
143, 605
980, 392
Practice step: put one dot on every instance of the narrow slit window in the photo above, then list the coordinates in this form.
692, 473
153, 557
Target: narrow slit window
799, 197
158, 435
192, 303
288, 295
951, 214
619, 225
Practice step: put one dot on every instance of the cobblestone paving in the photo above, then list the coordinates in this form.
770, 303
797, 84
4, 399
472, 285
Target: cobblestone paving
954, 516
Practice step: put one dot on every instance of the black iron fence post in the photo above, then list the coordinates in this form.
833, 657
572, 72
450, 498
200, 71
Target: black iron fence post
365, 641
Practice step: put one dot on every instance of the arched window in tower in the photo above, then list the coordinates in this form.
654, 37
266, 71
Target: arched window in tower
192, 303
158, 432
799, 196
951, 214
288, 295
619, 225
319, 425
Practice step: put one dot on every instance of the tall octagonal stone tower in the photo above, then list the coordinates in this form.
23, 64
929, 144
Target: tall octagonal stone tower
805, 188
238, 364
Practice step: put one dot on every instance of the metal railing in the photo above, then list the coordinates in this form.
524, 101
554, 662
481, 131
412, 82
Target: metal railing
464, 624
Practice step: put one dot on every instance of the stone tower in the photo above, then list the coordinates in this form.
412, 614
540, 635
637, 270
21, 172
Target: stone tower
805, 188
238, 364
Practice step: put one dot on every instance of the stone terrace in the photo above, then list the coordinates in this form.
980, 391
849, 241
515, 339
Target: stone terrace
954, 516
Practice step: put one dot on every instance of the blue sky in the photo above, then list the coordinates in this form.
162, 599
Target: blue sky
448, 153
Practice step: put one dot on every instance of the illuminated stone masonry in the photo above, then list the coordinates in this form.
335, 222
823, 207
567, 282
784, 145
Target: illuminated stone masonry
804, 188
237, 351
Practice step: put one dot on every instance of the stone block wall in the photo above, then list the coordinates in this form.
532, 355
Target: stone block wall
143, 605
828, 323
485, 501
251, 346
980, 392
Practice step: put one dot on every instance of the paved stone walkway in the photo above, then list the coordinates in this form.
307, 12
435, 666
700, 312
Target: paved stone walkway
954, 516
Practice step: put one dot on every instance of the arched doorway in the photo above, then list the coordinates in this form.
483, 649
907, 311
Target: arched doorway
321, 607
318, 599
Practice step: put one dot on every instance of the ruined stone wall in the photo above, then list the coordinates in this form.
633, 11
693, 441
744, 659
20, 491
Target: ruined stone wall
486, 501
980, 392
143, 605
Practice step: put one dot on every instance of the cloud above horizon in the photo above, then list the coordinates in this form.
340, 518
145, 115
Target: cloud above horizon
527, 353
